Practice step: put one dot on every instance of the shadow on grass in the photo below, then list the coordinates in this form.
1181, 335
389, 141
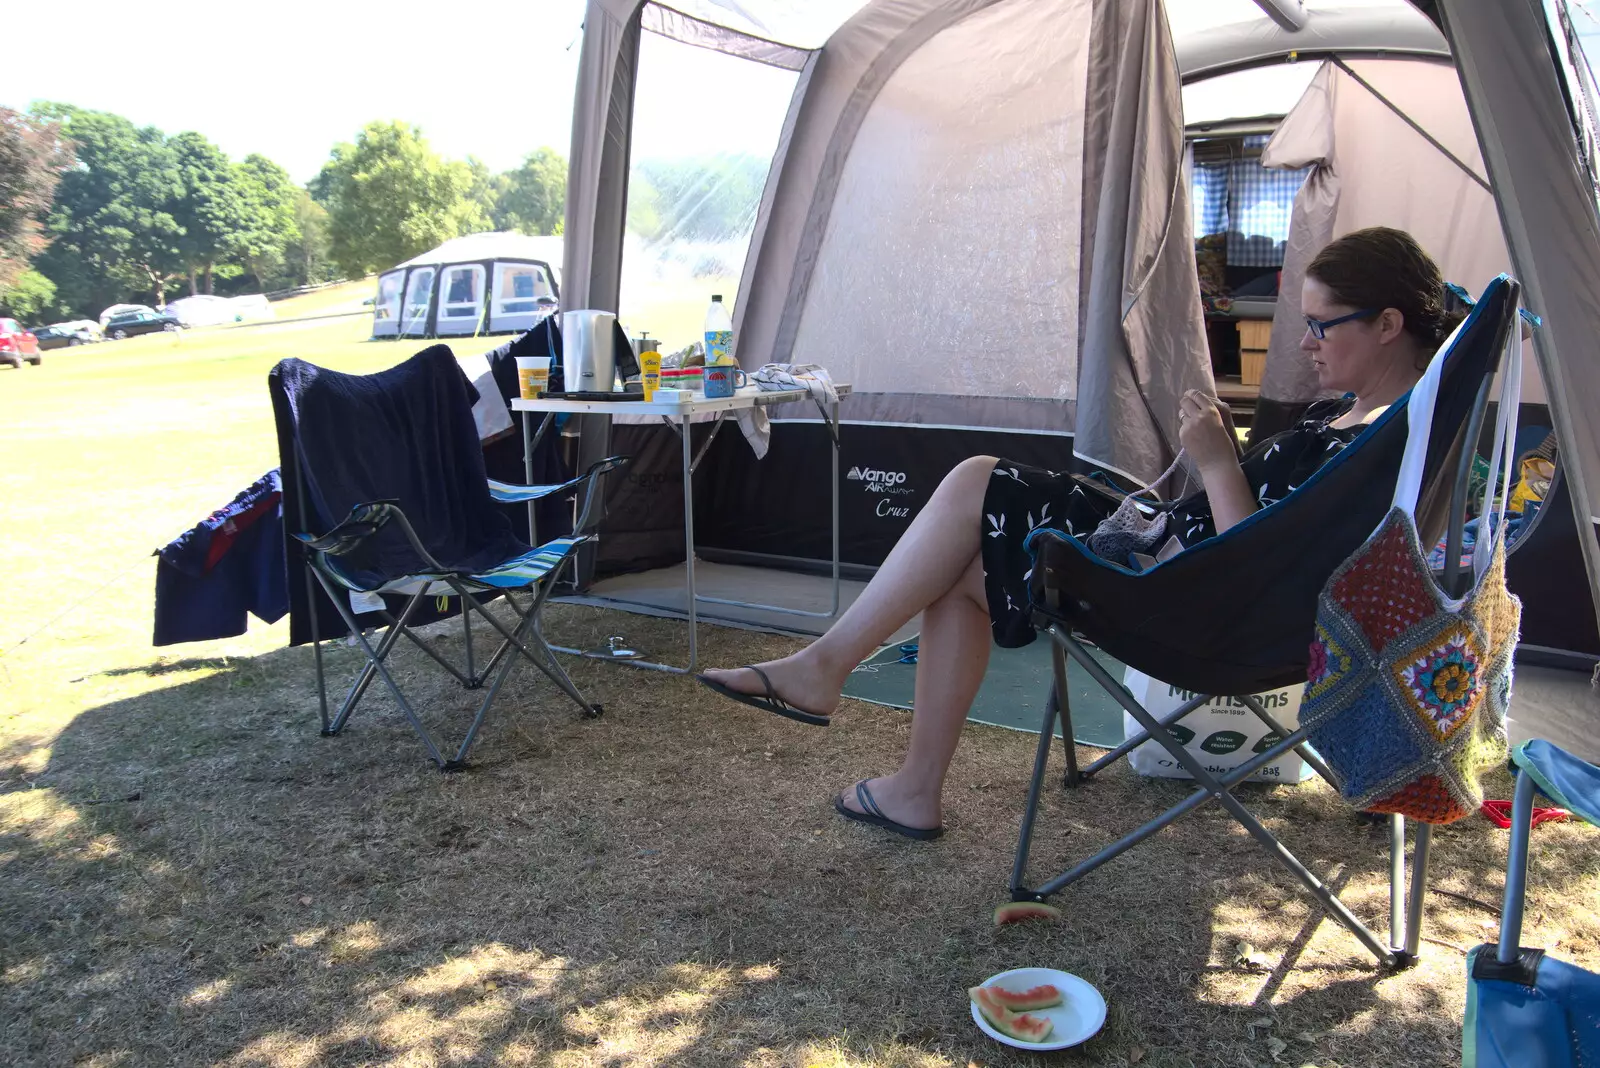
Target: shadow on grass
666, 885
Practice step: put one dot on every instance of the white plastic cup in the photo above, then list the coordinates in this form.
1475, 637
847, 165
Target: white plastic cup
533, 375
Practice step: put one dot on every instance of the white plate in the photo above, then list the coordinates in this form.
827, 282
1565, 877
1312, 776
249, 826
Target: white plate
1078, 1018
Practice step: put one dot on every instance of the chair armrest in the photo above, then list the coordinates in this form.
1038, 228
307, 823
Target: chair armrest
363, 522
516, 493
592, 495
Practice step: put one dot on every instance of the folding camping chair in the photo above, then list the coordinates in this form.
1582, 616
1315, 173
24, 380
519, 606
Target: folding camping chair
397, 455
1526, 1010
1234, 615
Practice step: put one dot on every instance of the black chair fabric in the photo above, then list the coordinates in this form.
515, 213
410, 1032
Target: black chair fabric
404, 434
1234, 614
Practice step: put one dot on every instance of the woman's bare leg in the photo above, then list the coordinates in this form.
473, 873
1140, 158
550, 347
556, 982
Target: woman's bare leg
932, 556
952, 656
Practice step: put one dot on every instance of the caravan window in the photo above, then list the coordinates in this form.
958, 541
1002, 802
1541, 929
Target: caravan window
520, 287
388, 305
418, 290
460, 291
1241, 215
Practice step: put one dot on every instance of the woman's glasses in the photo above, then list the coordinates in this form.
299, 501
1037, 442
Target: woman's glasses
1319, 327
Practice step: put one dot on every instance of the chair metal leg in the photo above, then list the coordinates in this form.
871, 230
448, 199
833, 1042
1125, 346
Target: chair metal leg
474, 680
1206, 781
1397, 882
385, 645
376, 665
548, 665
1196, 800
1422, 841
1063, 700
1060, 642
460, 761
1304, 751
316, 648
1516, 870
433, 654
1041, 757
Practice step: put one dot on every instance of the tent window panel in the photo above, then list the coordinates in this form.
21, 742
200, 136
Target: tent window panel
520, 290
461, 286
418, 290
704, 130
388, 305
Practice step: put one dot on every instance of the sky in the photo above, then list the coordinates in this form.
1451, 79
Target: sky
493, 78
490, 78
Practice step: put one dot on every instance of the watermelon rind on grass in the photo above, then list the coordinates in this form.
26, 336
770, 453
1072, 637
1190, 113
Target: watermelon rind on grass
1018, 911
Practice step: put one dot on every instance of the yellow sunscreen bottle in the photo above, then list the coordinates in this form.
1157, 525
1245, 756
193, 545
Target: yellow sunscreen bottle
650, 373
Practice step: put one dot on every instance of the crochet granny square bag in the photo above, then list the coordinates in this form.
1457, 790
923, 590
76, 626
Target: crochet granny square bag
1407, 688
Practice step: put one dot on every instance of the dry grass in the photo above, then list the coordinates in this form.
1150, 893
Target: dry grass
189, 875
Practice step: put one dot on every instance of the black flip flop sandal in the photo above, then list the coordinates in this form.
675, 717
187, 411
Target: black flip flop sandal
770, 703
875, 817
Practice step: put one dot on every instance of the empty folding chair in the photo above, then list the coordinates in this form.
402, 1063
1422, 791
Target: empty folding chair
1524, 1009
1234, 615
385, 494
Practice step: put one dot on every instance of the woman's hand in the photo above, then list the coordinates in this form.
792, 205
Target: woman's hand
1205, 428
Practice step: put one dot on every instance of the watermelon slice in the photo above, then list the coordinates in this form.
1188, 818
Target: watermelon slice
1018, 1025
1044, 996
1017, 911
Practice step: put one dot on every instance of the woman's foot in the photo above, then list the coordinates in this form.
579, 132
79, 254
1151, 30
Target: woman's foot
795, 682
907, 807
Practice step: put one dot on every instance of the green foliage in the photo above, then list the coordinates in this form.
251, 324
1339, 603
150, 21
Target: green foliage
113, 225
270, 224
30, 297
390, 197
709, 198
211, 208
533, 198
32, 158
308, 257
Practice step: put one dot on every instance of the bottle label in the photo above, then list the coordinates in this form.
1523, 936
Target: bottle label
719, 344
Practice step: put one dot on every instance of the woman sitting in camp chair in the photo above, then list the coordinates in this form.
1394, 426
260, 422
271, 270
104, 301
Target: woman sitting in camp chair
1375, 313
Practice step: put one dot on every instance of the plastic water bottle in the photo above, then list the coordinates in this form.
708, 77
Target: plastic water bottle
719, 333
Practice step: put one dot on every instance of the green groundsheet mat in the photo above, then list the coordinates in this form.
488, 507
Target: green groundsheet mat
1013, 692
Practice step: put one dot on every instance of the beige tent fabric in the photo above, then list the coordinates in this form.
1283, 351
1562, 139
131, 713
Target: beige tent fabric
925, 233
1550, 216
1143, 333
597, 164
1373, 169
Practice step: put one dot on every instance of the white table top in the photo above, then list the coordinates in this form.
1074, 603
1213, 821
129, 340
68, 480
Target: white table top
747, 397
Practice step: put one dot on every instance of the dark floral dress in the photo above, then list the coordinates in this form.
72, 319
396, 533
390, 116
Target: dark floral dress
1021, 499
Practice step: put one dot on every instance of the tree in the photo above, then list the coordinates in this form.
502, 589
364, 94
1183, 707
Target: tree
268, 223
307, 259
32, 158
212, 209
535, 195
112, 226
390, 197
28, 296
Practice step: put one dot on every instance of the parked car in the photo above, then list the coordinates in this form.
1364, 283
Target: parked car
61, 335
121, 309
141, 322
17, 344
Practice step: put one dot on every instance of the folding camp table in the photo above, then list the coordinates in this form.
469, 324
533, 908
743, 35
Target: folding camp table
679, 414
